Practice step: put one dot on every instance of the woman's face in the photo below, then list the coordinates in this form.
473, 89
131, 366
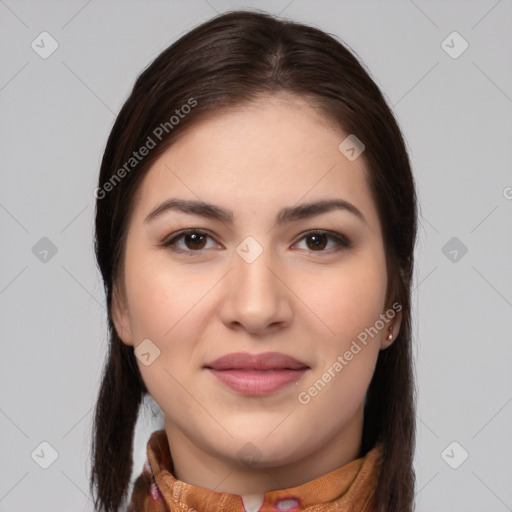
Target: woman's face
251, 279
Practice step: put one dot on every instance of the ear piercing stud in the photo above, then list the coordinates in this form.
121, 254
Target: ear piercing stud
390, 335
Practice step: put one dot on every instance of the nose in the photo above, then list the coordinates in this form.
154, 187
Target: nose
255, 296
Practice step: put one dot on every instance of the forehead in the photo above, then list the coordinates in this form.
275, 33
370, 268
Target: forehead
274, 150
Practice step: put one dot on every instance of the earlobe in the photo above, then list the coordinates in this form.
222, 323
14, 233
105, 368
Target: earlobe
390, 334
121, 319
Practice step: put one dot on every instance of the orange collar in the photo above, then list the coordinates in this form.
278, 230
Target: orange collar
345, 489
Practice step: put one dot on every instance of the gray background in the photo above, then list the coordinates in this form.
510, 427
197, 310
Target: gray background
56, 115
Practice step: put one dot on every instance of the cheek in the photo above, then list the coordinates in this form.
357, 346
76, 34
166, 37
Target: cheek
161, 297
166, 307
349, 303
347, 299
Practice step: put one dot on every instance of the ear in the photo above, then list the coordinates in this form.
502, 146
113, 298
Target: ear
121, 318
392, 327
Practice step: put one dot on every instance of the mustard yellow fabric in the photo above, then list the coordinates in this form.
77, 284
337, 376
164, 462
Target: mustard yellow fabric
349, 488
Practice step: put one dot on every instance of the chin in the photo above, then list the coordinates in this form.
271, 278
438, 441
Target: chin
264, 451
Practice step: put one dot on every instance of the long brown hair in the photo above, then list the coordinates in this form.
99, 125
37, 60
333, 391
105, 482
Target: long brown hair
225, 62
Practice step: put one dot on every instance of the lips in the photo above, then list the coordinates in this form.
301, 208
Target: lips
265, 361
257, 374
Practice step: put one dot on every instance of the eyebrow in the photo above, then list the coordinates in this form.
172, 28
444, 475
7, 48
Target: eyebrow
285, 215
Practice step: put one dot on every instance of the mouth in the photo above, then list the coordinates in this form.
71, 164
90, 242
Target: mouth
265, 361
257, 374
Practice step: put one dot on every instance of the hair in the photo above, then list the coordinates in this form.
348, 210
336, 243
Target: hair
226, 62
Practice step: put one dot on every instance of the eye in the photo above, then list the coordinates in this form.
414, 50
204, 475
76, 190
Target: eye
317, 240
194, 240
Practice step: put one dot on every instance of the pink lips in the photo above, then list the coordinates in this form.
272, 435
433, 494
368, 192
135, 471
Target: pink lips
257, 374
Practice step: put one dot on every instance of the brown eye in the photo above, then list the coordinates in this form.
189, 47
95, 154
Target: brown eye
189, 241
194, 241
318, 241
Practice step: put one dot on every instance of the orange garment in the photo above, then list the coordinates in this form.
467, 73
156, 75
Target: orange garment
349, 488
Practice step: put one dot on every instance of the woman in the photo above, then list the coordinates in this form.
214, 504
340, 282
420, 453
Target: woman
255, 229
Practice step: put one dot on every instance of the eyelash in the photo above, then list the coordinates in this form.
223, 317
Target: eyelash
170, 243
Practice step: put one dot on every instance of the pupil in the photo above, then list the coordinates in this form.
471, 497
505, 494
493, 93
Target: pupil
195, 239
318, 243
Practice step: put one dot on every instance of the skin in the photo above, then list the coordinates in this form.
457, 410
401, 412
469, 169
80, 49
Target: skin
296, 299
